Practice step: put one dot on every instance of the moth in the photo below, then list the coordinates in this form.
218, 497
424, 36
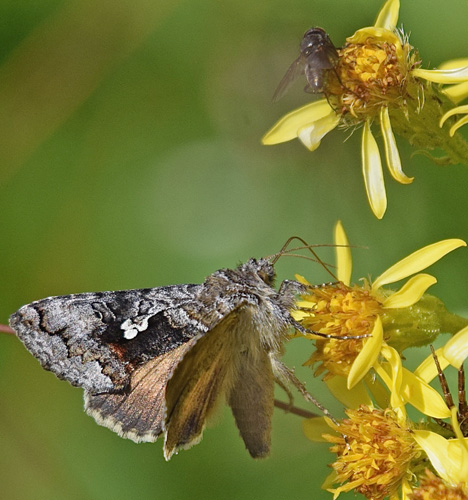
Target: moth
157, 361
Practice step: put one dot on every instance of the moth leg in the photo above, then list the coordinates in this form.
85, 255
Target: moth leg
282, 372
290, 287
284, 386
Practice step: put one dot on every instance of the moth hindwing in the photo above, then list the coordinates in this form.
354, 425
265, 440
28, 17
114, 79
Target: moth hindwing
157, 361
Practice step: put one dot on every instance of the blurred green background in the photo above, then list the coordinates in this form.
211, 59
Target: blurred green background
130, 157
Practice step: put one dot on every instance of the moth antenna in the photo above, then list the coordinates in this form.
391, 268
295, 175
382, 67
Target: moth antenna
299, 256
462, 404
284, 251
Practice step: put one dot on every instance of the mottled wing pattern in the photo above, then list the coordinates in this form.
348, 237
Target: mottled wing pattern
138, 413
96, 340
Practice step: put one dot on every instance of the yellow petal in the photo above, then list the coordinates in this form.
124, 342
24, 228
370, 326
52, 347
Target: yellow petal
448, 457
422, 396
344, 262
406, 490
427, 370
391, 151
384, 374
458, 450
299, 315
301, 279
454, 111
417, 261
388, 15
312, 134
395, 368
410, 292
457, 125
456, 93
456, 349
350, 398
314, 428
288, 127
436, 448
377, 34
454, 75
368, 355
330, 480
372, 172
454, 63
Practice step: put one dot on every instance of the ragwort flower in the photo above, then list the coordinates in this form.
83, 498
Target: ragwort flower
407, 317
377, 79
433, 487
381, 453
448, 455
375, 451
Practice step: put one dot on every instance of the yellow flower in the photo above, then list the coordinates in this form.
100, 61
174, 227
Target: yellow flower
376, 76
339, 309
375, 450
433, 487
449, 457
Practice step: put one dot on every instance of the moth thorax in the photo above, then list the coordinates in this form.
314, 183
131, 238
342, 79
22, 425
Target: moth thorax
260, 328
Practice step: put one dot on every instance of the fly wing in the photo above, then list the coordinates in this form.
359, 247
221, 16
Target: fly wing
294, 72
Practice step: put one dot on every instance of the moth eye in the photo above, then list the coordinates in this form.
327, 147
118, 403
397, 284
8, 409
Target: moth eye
267, 277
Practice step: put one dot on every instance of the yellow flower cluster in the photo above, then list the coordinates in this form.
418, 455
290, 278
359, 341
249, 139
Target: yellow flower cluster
380, 452
377, 78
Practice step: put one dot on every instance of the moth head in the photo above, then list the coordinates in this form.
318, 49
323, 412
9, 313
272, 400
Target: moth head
264, 269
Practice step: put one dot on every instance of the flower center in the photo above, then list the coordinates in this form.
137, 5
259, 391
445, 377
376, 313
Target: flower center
368, 75
433, 488
375, 456
338, 310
